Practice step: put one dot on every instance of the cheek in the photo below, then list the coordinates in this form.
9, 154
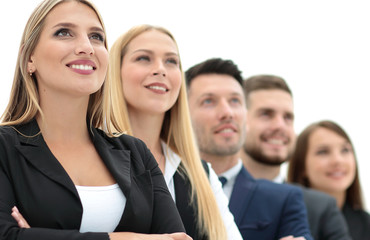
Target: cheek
352, 167
103, 59
130, 78
314, 168
176, 81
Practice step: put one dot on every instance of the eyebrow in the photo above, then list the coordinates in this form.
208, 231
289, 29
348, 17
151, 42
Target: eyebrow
72, 25
151, 52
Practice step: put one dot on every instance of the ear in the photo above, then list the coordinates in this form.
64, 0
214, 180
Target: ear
31, 68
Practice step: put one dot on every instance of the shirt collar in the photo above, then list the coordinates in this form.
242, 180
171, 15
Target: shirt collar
231, 174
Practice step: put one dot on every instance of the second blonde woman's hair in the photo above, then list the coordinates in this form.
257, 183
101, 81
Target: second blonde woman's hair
176, 131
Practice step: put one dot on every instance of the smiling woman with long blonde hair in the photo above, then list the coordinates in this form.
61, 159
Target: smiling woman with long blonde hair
149, 92
67, 178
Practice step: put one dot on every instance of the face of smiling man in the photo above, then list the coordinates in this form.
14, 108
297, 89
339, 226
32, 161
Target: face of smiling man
218, 113
270, 131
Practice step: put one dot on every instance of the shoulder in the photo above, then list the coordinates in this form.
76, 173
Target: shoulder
279, 187
10, 135
314, 196
359, 214
122, 141
7, 131
135, 147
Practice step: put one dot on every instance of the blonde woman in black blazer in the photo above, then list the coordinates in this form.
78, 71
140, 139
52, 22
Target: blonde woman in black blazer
51, 148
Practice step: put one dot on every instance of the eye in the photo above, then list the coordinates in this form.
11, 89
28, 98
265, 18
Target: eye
322, 152
346, 150
172, 61
289, 117
266, 113
207, 101
235, 101
143, 58
97, 36
63, 32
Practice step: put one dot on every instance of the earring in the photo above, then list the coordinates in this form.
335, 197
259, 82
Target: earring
30, 72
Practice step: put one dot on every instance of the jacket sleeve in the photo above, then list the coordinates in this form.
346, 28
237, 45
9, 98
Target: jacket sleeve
295, 221
9, 229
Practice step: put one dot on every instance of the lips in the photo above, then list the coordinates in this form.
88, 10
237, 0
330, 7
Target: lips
336, 174
82, 65
279, 142
226, 128
158, 87
277, 138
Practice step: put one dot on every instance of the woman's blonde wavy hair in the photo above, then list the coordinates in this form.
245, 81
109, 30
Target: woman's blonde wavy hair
176, 131
23, 105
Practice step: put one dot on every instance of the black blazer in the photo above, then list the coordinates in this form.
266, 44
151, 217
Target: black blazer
32, 179
188, 210
326, 221
358, 222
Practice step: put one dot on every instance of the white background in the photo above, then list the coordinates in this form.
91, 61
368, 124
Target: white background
321, 48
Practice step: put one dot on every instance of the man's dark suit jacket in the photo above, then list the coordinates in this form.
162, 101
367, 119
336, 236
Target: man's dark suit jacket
32, 179
325, 219
266, 210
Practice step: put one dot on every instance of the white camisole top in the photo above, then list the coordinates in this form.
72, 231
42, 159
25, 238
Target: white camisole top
102, 207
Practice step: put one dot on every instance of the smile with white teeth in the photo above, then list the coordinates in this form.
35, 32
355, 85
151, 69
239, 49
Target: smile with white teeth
82, 67
276, 141
158, 88
226, 130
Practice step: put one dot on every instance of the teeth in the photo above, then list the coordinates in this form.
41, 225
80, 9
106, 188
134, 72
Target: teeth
82, 67
336, 174
276, 141
226, 130
157, 88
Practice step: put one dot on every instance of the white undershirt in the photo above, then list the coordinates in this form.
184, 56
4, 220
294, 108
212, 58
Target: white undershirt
102, 207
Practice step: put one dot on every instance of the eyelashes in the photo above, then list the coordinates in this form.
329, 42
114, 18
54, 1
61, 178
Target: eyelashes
63, 32
148, 59
67, 33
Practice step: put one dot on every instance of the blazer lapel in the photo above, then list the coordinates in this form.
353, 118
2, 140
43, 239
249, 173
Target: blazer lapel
241, 195
34, 149
116, 159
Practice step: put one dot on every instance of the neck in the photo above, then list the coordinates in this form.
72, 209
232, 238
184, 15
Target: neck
259, 170
148, 128
220, 164
340, 197
64, 121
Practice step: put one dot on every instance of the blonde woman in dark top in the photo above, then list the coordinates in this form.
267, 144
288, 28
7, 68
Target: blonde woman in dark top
148, 90
67, 177
325, 159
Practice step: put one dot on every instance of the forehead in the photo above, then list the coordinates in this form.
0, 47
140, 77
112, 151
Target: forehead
215, 84
69, 11
323, 135
153, 39
275, 99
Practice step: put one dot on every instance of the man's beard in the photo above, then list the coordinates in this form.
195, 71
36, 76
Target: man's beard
214, 149
257, 155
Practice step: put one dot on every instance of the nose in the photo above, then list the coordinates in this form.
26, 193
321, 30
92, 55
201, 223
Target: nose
337, 157
225, 111
279, 122
84, 46
159, 68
